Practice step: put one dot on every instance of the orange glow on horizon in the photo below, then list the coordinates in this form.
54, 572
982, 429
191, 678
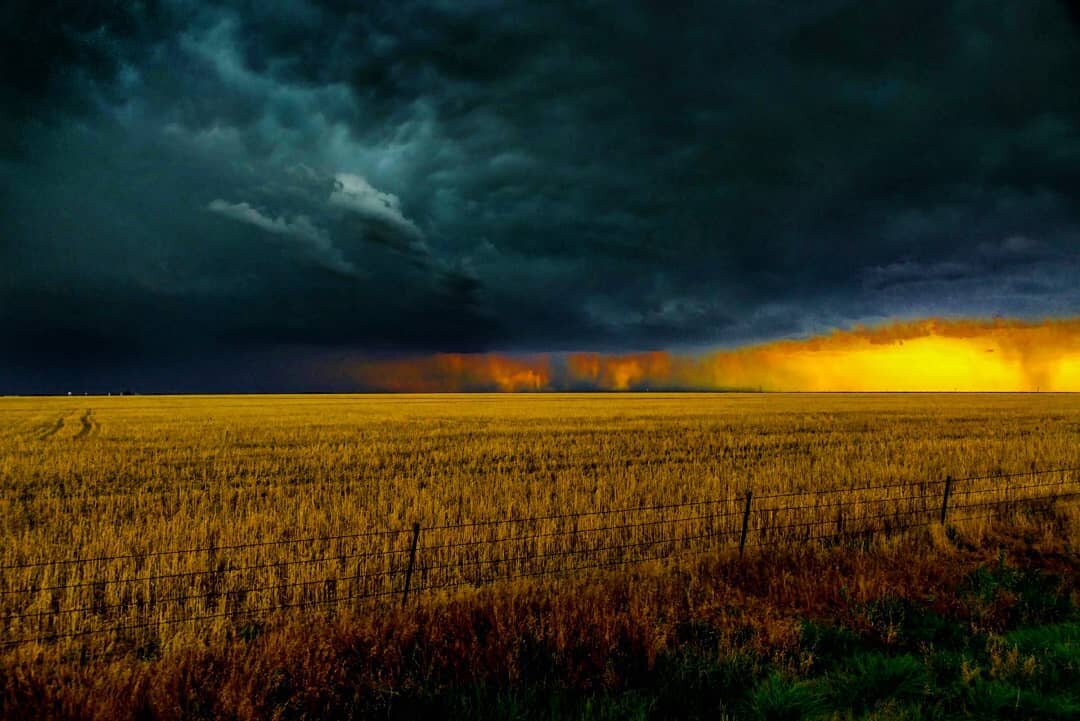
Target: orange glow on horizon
926, 355
620, 372
457, 372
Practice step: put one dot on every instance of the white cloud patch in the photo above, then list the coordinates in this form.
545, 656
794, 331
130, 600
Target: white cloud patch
355, 194
316, 242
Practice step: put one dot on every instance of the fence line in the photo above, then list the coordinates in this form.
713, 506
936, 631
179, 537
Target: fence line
101, 609
190, 551
513, 520
207, 572
555, 534
1010, 488
574, 531
841, 503
442, 570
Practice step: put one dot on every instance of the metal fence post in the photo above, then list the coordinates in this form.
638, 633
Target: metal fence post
412, 564
945, 499
745, 522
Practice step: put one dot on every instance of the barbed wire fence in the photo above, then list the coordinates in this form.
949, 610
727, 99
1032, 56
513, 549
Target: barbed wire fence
125, 595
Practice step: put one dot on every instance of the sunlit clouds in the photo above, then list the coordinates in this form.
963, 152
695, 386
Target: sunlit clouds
924, 355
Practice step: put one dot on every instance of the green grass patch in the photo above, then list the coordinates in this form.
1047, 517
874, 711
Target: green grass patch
1010, 650
782, 698
869, 680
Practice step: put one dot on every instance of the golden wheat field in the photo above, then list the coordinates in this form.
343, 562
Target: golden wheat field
173, 520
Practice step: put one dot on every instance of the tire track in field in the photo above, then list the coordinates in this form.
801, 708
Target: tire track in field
51, 430
89, 425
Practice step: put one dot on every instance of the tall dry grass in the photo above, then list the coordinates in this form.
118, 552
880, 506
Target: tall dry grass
244, 479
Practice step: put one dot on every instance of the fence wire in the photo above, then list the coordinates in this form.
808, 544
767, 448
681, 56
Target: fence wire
744, 520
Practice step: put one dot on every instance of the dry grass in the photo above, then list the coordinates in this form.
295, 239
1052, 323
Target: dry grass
585, 636
132, 476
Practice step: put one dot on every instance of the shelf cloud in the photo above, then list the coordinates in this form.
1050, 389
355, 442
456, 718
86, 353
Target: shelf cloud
184, 185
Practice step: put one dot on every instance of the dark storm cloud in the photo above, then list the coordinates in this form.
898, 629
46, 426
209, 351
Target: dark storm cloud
206, 180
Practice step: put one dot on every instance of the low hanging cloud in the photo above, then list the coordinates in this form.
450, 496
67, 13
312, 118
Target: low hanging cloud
316, 241
345, 207
382, 211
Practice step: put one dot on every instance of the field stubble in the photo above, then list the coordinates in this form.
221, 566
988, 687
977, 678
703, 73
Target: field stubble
244, 479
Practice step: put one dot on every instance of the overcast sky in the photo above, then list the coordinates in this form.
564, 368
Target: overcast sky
224, 195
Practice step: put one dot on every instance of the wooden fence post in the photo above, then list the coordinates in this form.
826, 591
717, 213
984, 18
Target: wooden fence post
412, 563
211, 583
945, 499
745, 522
